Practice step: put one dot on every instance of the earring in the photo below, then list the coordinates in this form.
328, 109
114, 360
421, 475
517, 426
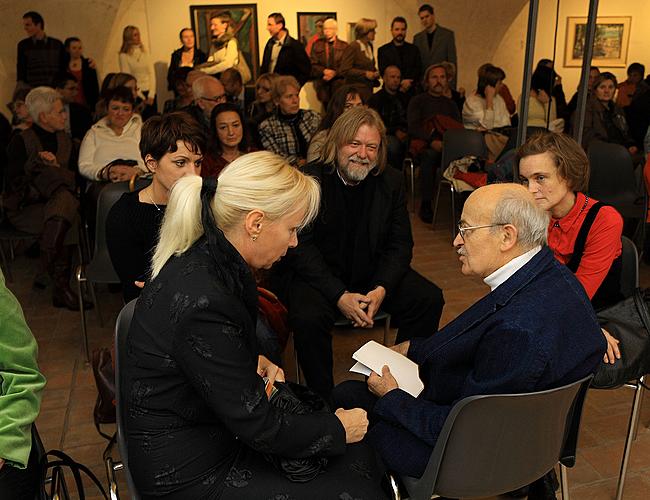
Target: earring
254, 237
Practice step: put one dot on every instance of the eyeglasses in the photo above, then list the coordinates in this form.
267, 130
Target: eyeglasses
219, 98
463, 229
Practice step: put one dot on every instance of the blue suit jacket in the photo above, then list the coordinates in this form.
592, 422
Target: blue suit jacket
536, 331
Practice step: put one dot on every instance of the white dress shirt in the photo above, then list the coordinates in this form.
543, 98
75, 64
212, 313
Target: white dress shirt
504, 272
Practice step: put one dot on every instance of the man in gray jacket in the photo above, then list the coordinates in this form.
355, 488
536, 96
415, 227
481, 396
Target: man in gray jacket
435, 43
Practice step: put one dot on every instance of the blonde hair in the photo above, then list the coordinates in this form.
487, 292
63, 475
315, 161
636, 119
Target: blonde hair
345, 129
126, 40
262, 181
280, 85
363, 27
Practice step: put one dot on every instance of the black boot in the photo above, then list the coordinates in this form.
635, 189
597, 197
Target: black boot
425, 213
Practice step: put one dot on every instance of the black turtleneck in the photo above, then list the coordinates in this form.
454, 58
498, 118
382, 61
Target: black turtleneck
294, 121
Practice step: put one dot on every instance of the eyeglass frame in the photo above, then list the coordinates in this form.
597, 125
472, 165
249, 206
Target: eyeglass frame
219, 99
461, 230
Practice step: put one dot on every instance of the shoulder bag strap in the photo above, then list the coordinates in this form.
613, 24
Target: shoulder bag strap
579, 246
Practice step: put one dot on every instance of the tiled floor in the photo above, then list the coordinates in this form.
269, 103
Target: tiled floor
66, 421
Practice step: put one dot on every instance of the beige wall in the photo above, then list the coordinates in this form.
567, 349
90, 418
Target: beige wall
510, 52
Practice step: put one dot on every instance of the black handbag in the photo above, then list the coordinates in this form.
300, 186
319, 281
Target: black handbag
298, 400
629, 322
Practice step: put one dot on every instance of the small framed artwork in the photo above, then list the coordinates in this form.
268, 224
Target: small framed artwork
244, 28
610, 41
351, 27
310, 26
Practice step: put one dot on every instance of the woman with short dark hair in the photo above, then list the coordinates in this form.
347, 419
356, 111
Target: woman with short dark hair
228, 139
188, 56
171, 146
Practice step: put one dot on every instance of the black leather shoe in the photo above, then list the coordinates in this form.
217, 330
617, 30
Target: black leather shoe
425, 213
65, 297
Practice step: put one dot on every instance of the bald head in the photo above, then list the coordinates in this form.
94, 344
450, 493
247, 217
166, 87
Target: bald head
208, 92
503, 222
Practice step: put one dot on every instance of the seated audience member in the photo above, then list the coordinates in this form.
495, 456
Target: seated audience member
573, 103
344, 98
262, 107
283, 54
458, 96
604, 120
40, 188
224, 49
406, 56
182, 91
557, 92
135, 61
84, 72
114, 80
228, 139
355, 258
171, 146
287, 132
485, 109
637, 112
556, 171
204, 378
391, 105
358, 65
188, 56
326, 56
78, 117
426, 143
20, 401
208, 92
535, 330
542, 108
109, 151
20, 117
234, 87
628, 88
40, 57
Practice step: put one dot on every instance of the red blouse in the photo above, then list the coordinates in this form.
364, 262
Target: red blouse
603, 243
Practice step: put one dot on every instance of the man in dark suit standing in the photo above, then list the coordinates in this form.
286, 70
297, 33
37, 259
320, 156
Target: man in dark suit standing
402, 54
535, 330
355, 258
435, 43
282, 54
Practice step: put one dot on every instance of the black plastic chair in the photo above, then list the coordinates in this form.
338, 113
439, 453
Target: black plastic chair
456, 143
100, 268
121, 331
493, 444
11, 236
612, 180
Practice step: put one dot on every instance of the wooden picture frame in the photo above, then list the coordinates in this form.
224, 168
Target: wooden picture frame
244, 27
611, 41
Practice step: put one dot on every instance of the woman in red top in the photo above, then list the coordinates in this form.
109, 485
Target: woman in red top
228, 139
582, 233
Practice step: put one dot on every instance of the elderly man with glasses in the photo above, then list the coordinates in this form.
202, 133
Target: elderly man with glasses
208, 92
535, 330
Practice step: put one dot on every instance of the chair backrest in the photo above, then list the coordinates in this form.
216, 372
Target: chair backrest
100, 269
611, 173
493, 444
457, 143
629, 267
122, 326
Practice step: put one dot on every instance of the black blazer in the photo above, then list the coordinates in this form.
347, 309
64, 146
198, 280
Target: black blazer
192, 395
384, 243
410, 65
292, 60
175, 63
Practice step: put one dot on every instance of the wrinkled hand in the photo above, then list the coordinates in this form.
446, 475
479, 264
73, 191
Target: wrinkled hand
613, 352
402, 348
49, 158
119, 173
380, 385
268, 369
328, 74
353, 306
355, 423
376, 297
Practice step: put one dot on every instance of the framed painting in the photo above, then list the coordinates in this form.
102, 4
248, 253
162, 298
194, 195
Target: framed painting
244, 28
610, 41
351, 27
310, 25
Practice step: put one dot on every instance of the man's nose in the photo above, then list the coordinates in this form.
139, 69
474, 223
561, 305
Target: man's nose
458, 240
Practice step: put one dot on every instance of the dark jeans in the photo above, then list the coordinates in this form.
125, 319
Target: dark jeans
20, 484
396, 151
415, 306
429, 161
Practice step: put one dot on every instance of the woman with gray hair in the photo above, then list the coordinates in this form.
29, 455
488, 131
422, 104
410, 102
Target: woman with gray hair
198, 419
358, 64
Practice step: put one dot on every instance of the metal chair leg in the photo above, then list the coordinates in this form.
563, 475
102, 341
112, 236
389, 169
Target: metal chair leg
295, 355
631, 434
412, 167
435, 206
564, 482
393, 487
84, 332
453, 211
